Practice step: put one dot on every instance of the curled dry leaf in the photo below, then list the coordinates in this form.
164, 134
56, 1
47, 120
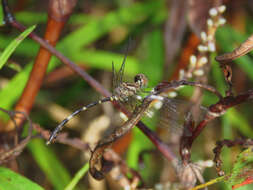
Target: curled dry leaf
243, 49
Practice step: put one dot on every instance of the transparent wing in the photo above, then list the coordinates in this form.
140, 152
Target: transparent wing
114, 77
118, 76
121, 71
171, 114
122, 68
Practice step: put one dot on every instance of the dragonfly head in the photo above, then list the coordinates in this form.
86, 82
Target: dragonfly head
141, 80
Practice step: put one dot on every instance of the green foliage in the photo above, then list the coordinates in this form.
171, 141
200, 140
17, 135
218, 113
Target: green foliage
241, 171
143, 21
77, 177
13, 45
242, 168
92, 31
49, 164
14, 88
240, 122
127, 17
12, 91
1, 16
10, 180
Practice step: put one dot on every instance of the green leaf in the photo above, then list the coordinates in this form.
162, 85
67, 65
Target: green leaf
227, 133
92, 31
29, 18
10, 180
13, 45
49, 163
95, 28
103, 60
241, 171
13, 89
27, 48
154, 61
77, 177
217, 75
71, 46
239, 122
1, 16
242, 168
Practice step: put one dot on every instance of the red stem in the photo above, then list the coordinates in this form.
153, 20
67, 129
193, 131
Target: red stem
38, 72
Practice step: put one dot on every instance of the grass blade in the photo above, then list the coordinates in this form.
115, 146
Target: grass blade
77, 177
48, 162
13, 45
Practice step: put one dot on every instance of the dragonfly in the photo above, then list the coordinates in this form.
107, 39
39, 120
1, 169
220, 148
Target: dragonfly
99, 166
125, 93
128, 94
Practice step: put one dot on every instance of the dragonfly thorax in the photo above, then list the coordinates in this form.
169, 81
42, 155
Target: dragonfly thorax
126, 90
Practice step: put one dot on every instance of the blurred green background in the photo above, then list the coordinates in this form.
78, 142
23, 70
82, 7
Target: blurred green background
96, 35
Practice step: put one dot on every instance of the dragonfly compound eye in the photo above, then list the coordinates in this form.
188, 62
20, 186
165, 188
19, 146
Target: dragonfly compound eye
141, 79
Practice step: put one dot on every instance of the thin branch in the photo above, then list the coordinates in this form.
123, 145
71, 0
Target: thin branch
12, 153
62, 138
165, 86
229, 143
214, 111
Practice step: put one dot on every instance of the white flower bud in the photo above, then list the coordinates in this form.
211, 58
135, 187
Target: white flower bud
198, 72
210, 22
181, 74
213, 12
189, 75
222, 9
211, 47
210, 38
203, 36
221, 21
193, 61
202, 61
202, 48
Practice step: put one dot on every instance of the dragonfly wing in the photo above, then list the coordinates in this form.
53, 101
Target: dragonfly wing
121, 71
172, 114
